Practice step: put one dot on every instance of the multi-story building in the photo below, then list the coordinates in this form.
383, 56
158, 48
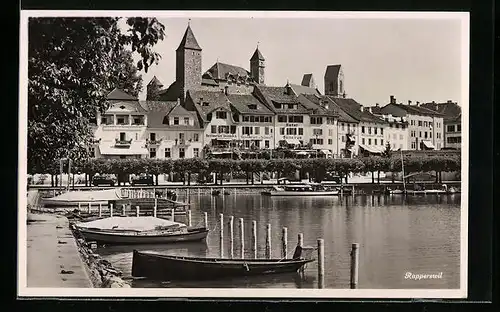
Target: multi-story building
425, 126
452, 122
396, 133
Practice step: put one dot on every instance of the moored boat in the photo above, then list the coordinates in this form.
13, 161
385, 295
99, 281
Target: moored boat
139, 230
167, 267
301, 190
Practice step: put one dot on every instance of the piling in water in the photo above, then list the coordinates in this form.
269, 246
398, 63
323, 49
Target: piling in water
172, 214
231, 237
205, 220
300, 243
284, 243
354, 265
89, 209
189, 217
100, 210
110, 210
221, 235
155, 208
79, 207
123, 210
254, 239
242, 240
321, 263
137, 211
268, 241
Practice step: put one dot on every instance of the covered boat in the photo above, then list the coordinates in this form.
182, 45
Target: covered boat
72, 198
301, 190
139, 230
167, 267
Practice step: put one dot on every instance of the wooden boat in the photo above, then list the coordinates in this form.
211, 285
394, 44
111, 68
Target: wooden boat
167, 267
70, 200
139, 230
301, 190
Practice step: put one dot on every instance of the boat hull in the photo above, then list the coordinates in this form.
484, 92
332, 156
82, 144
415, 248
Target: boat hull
103, 237
164, 267
290, 193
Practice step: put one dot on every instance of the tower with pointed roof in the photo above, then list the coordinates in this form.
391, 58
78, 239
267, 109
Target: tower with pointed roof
188, 64
334, 81
257, 66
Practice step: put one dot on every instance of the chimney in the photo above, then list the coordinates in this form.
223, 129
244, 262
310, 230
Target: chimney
433, 102
418, 103
449, 101
362, 108
409, 102
376, 105
393, 99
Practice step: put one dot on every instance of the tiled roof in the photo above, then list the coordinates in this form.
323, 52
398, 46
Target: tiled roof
172, 93
213, 100
158, 110
257, 55
413, 110
353, 108
118, 94
313, 104
125, 106
155, 81
241, 103
298, 89
189, 41
307, 80
332, 107
209, 82
280, 95
218, 71
376, 110
450, 110
332, 70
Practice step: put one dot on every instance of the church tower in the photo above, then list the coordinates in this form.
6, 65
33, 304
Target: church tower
188, 64
334, 81
257, 67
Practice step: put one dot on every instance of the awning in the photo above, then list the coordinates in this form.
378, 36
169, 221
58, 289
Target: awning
326, 152
301, 153
370, 149
134, 149
292, 141
428, 144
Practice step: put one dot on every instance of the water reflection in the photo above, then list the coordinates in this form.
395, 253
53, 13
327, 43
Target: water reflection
397, 234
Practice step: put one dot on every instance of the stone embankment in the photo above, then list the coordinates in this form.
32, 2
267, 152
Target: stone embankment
100, 271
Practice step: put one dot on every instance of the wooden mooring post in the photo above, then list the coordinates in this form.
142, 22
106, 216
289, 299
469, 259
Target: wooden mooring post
172, 217
100, 210
137, 214
284, 243
124, 213
354, 265
189, 217
300, 243
242, 240
205, 219
221, 235
268, 241
321, 263
254, 239
155, 208
79, 207
89, 208
110, 210
231, 237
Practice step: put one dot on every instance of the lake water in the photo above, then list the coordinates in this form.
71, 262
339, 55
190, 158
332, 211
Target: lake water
420, 234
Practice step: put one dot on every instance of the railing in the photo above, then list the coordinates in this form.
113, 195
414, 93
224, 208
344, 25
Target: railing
123, 142
153, 142
182, 142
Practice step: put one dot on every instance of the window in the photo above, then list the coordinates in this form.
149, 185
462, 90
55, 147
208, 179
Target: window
223, 129
412, 145
214, 129
369, 130
186, 120
403, 126
167, 152
374, 130
92, 152
246, 118
369, 141
181, 138
266, 130
381, 141
291, 131
196, 152
459, 128
152, 152
122, 136
301, 131
137, 120
382, 131
343, 125
282, 118
420, 123
182, 152
450, 128
152, 136
266, 143
196, 137
104, 120
343, 138
330, 141
330, 132
257, 130
362, 140
221, 115
291, 106
317, 141
420, 134
425, 123
425, 134
374, 141
256, 143
233, 129
317, 131
430, 134
316, 120
295, 119
247, 130
397, 126
282, 131
247, 144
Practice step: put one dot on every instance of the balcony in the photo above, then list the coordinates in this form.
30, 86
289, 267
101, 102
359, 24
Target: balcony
122, 143
153, 142
179, 142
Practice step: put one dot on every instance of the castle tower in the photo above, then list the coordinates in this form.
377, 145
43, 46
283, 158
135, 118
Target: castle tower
308, 81
334, 81
257, 66
188, 64
153, 88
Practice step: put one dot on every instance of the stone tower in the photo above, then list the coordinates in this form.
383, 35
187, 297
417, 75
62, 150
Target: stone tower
188, 64
153, 89
334, 81
257, 66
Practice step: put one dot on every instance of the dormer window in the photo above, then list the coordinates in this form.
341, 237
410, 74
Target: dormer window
221, 115
252, 106
176, 120
291, 106
186, 120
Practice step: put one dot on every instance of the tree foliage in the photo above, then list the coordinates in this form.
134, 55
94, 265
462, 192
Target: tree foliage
72, 64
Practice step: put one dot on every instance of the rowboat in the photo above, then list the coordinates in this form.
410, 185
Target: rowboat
167, 267
139, 230
301, 190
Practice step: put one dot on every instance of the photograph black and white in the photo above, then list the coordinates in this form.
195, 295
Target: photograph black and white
249, 154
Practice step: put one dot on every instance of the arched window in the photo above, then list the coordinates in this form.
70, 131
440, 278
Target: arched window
165, 120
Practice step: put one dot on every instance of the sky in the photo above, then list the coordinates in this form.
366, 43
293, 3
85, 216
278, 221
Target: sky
412, 59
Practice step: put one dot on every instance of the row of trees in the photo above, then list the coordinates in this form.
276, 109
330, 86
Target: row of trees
316, 168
